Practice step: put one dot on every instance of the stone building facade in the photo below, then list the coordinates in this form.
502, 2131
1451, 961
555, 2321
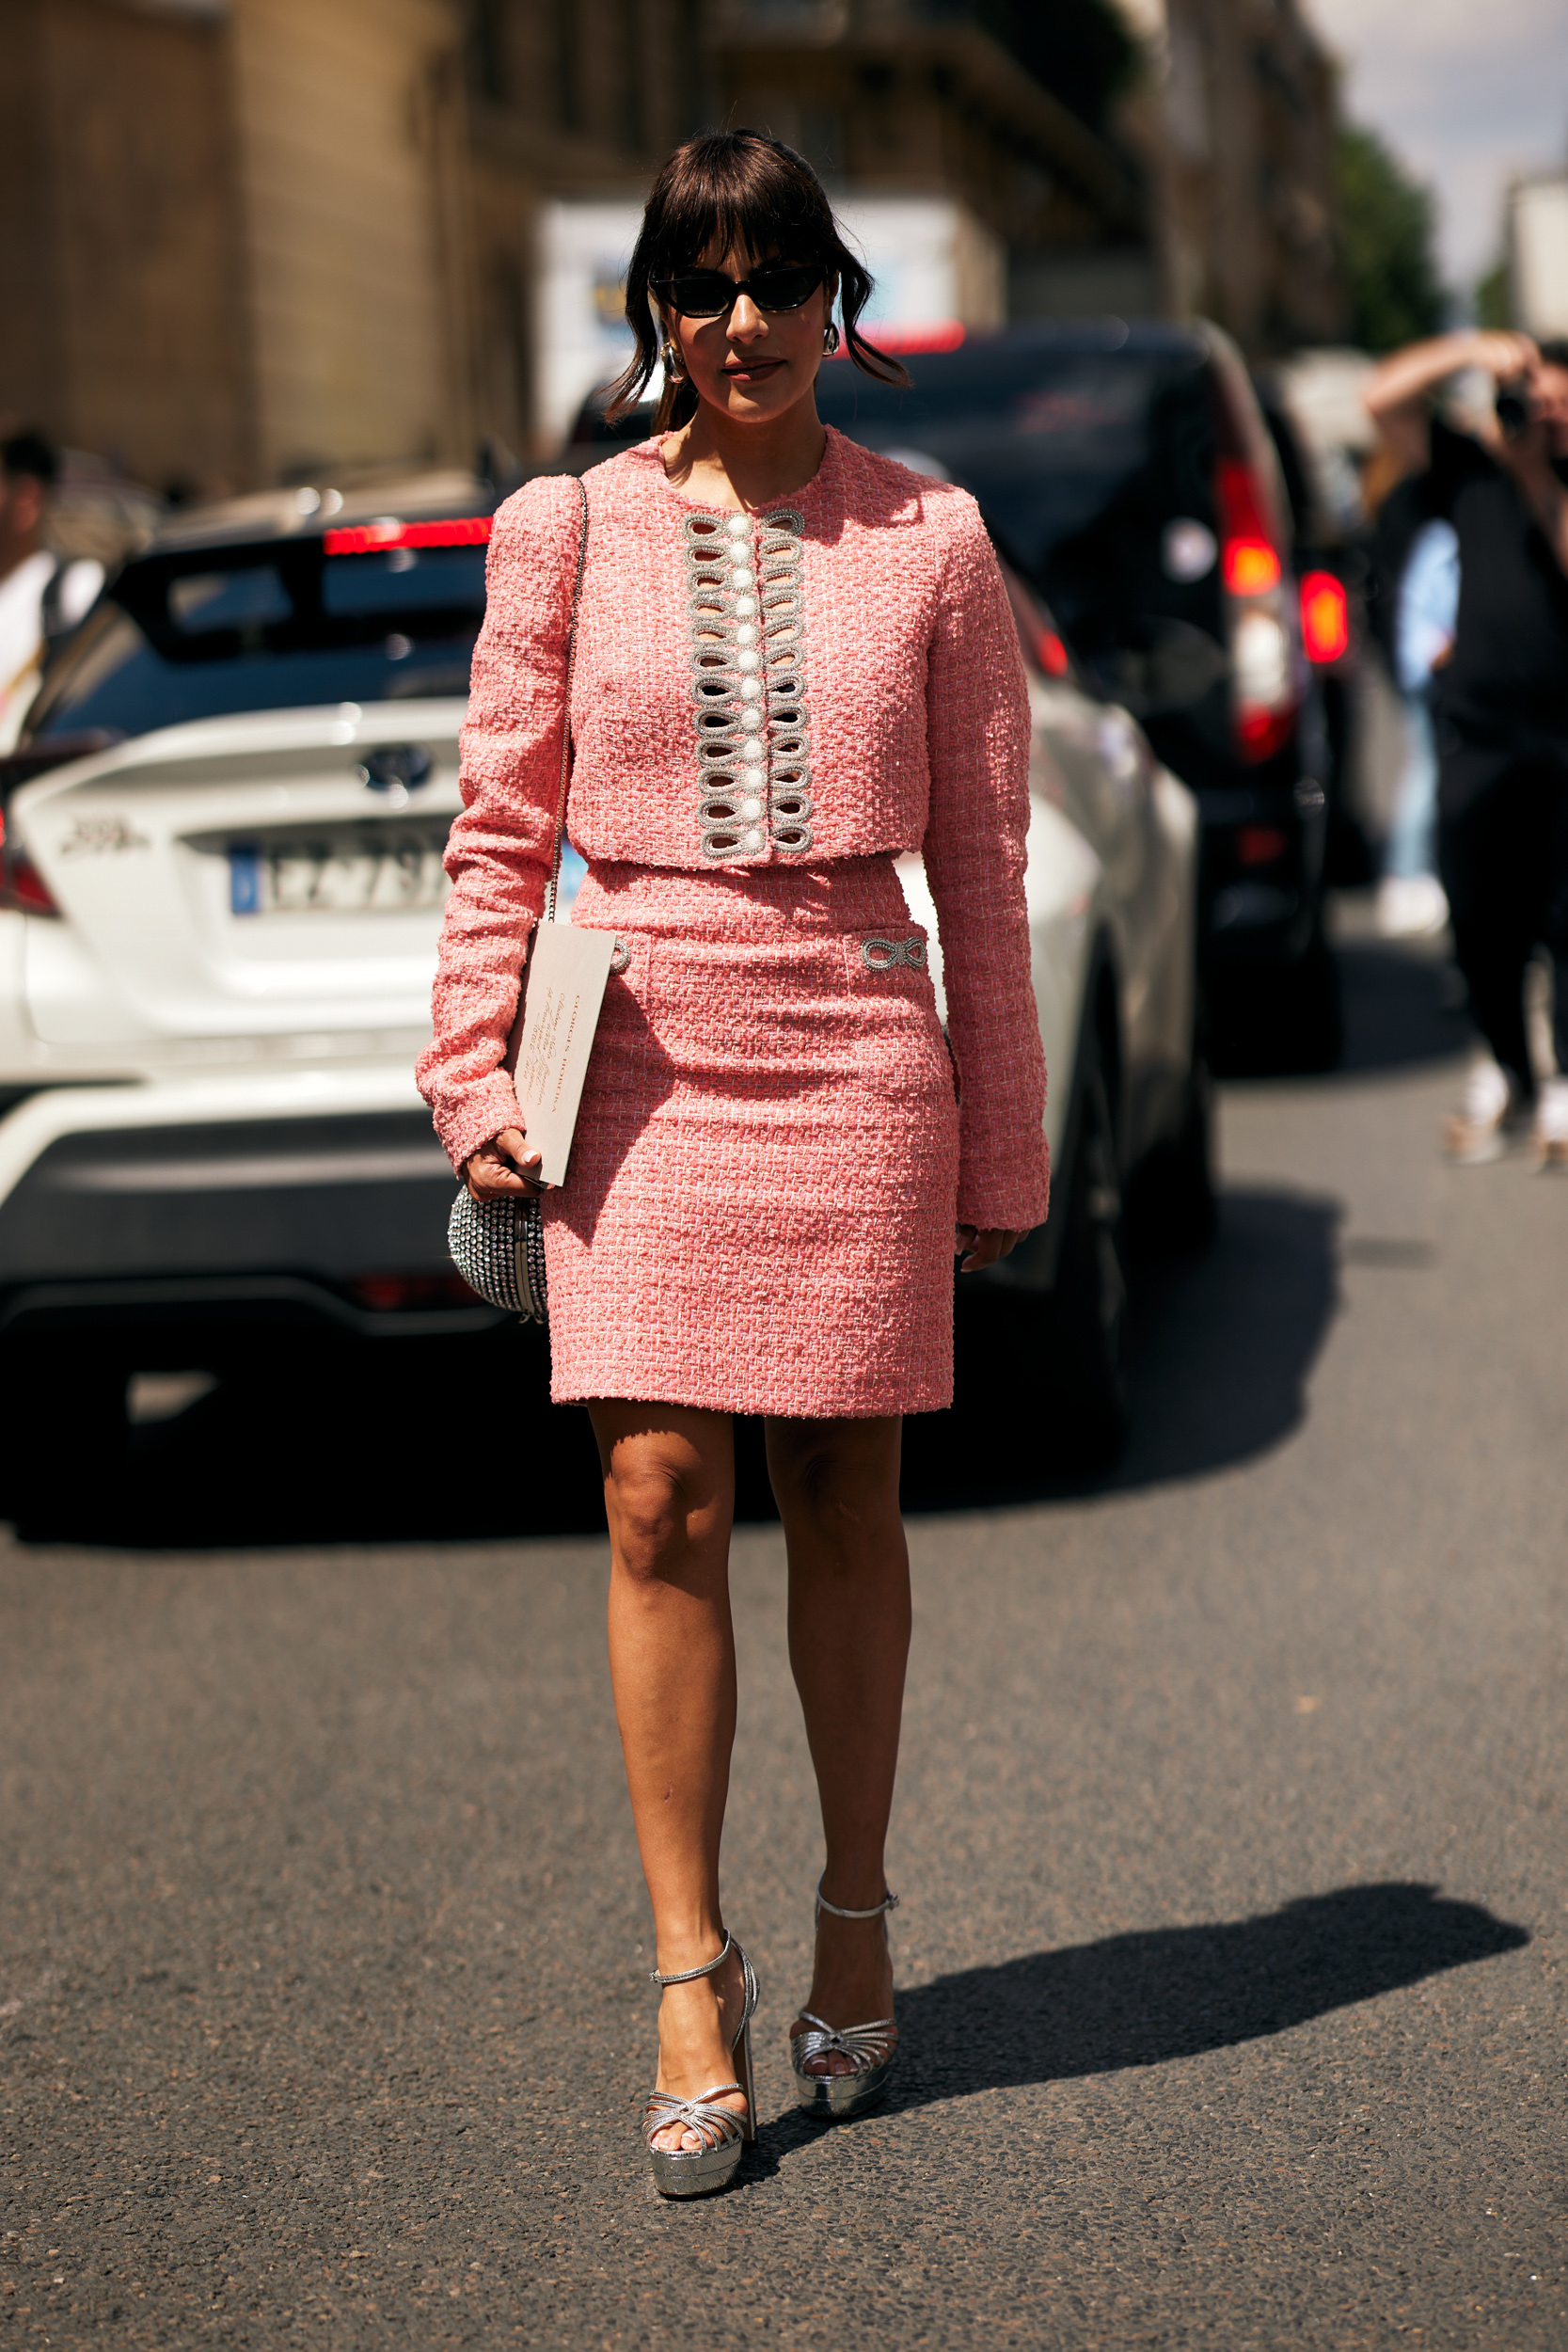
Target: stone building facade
254, 240
248, 241
916, 97
1238, 127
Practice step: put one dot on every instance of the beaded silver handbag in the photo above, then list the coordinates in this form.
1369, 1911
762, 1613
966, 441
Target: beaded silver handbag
499, 1246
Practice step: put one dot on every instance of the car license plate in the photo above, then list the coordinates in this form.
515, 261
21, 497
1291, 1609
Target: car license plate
374, 868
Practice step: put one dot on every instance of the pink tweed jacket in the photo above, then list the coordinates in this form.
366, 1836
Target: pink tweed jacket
896, 719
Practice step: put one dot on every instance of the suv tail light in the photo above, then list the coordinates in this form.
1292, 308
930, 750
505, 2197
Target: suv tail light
1260, 611
1249, 560
1038, 633
23, 888
1325, 617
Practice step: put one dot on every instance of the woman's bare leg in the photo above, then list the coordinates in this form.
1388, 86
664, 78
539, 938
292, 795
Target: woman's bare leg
670, 1499
836, 1485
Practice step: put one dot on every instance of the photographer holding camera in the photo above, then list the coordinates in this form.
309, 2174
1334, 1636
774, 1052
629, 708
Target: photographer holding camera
1501, 704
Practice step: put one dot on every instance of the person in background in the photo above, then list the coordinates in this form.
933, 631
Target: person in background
1501, 707
42, 597
1411, 901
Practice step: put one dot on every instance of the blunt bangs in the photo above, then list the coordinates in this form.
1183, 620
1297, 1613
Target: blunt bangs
740, 191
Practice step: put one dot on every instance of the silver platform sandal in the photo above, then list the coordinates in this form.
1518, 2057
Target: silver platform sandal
868, 2048
697, 2171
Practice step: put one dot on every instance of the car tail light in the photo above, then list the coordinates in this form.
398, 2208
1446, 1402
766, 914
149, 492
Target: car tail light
1262, 617
23, 888
1050, 653
1249, 560
1263, 648
1038, 633
1263, 734
1325, 617
463, 530
1261, 845
939, 335
384, 1293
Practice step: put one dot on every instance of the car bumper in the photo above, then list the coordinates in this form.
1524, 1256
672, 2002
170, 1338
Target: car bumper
1259, 908
321, 1199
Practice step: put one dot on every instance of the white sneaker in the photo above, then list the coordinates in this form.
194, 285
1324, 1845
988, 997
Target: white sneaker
1549, 1133
1488, 1117
1411, 906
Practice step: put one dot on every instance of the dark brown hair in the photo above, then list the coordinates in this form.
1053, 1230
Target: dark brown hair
735, 188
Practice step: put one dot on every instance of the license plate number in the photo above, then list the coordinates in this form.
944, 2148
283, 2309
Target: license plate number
379, 869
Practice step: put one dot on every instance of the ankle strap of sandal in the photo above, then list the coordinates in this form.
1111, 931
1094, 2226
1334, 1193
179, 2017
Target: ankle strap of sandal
689, 1976
888, 1902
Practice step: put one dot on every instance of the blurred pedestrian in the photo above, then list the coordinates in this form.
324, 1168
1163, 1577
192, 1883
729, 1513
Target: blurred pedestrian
42, 595
794, 659
1501, 707
1416, 566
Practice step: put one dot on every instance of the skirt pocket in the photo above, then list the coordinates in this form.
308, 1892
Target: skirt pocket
895, 1012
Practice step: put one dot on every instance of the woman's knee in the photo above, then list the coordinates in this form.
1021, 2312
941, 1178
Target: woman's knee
662, 1513
838, 1481
668, 1484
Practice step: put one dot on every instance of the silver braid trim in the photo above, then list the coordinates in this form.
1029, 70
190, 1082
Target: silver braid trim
746, 611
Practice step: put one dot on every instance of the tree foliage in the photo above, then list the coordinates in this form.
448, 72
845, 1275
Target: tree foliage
1494, 306
1387, 222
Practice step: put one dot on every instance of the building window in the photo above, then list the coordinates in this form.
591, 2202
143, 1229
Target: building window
822, 139
486, 49
568, 68
629, 42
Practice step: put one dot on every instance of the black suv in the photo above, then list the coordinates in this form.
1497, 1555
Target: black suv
1128, 472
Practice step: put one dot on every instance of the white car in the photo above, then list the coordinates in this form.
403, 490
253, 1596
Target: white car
222, 890
1112, 891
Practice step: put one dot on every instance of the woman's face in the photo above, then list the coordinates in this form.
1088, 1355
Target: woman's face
754, 364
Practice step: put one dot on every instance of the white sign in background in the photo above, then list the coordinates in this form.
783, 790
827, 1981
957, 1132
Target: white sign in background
930, 260
1538, 255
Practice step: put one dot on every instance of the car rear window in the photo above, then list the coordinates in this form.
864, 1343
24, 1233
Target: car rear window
1083, 460
205, 633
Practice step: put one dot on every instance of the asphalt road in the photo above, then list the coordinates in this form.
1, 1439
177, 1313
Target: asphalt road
1231, 1837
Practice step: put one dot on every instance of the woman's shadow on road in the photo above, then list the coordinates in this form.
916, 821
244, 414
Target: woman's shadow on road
323, 1444
1170, 1993
1220, 1350
307, 1442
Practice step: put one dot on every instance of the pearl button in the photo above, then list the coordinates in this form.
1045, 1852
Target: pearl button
751, 840
748, 662
745, 608
737, 526
753, 752
750, 808
746, 635
751, 722
742, 575
751, 690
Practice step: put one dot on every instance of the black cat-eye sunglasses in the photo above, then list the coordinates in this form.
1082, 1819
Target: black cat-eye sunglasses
707, 293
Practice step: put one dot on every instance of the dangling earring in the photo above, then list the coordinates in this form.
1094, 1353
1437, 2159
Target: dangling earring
669, 351
830, 339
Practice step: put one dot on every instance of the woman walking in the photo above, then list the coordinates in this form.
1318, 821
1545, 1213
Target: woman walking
792, 661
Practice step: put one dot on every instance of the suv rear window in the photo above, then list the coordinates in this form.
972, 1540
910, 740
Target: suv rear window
1083, 458
201, 634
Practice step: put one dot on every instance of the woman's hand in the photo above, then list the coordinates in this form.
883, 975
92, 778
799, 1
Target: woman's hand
508, 1163
982, 1245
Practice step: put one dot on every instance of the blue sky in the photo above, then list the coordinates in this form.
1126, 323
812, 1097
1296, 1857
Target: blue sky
1470, 94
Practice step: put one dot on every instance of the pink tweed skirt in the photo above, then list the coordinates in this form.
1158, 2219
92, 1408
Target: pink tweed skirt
758, 1213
